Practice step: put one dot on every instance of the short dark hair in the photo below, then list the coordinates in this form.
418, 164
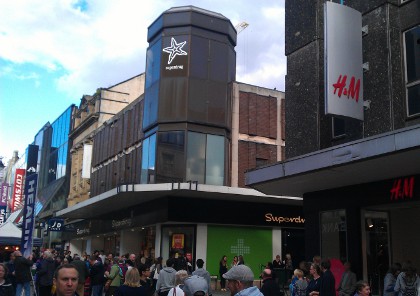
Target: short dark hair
69, 265
326, 264
360, 285
170, 262
142, 268
200, 263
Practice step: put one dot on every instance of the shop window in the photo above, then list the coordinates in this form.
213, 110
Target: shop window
412, 62
178, 240
334, 234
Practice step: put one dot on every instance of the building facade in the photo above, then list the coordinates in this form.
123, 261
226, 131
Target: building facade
357, 178
92, 113
168, 171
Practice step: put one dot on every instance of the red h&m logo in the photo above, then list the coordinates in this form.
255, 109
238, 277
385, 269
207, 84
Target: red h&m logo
402, 188
352, 91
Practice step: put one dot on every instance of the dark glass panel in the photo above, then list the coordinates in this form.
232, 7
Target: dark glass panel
171, 157
413, 100
412, 47
151, 106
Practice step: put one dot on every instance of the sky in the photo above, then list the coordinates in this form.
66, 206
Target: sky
54, 52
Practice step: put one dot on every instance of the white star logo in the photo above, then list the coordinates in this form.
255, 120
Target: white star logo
175, 49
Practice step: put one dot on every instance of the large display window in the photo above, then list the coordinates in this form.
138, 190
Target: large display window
178, 240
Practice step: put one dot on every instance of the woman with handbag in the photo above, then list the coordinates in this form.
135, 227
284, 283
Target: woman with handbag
113, 278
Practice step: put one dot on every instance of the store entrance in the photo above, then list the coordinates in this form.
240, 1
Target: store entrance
389, 235
376, 257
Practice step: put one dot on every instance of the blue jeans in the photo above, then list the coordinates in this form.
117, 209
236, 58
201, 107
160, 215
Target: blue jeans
96, 290
25, 286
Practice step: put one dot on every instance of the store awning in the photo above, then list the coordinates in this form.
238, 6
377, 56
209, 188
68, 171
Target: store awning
10, 234
126, 196
386, 156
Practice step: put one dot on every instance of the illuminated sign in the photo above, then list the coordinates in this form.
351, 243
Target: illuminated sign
269, 217
402, 188
56, 224
176, 55
343, 61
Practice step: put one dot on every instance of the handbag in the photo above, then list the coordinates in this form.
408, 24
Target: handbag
107, 284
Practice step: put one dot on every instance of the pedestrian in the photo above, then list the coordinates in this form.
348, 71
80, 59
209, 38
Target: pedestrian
66, 280
391, 278
113, 278
277, 263
315, 282
145, 281
97, 273
241, 260
45, 274
178, 290
241, 281
156, 271
408, 282
131, 286
166, 280
327, 287
23, 273
348, 281
83, 272
270, 287
6, 287
200, 271
195, 286
362, 288
222, 270
11, 270
234, 261
300, 286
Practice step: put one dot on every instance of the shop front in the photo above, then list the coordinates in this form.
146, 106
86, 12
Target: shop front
195, 225
360, 201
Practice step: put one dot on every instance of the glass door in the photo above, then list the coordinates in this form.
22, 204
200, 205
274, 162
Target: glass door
375, 230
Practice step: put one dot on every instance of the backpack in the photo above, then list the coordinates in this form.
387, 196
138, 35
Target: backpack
410, 288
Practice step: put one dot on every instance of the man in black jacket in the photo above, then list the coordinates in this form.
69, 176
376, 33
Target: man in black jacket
23, 273
97, 279
327, 287
45, 274
270, 287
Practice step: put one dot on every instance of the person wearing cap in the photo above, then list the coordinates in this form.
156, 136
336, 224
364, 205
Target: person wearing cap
241, 281
200, 271
196, 286
270, 287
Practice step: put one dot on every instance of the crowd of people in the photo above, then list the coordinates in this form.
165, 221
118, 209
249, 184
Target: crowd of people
98, 275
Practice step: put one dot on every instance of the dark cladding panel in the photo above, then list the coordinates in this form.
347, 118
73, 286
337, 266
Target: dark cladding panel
173, 99
300, 24
199, 54
218, 61
302, 101
218, 108
197, 102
